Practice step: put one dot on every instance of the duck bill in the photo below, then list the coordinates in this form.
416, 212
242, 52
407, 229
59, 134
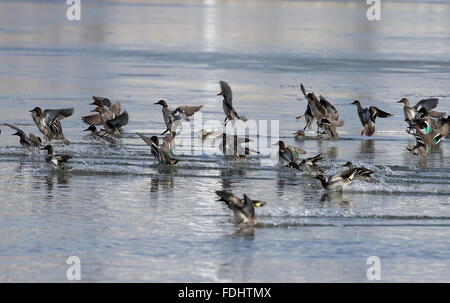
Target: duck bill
399, 101
220, 94
85, 130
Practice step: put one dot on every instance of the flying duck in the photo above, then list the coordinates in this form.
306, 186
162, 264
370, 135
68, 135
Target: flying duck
362, 172
56, 161
420, 110
339, 180
100, 135
289, 155
227, 103
243, 209
163, 153
26, 141
112, 120
48, 121
173, 118
367, 117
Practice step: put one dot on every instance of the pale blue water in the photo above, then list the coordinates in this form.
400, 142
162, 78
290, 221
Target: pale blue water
129, 220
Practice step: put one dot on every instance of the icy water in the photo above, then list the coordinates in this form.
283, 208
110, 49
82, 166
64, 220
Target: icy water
129, 220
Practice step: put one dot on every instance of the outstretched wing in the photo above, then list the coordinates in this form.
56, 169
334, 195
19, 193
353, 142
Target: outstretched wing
115, 108
92, 120
190, 110
119, 121
50, 115
427, 104
15, 128
153, 146
376, 112
227, 93
249, 208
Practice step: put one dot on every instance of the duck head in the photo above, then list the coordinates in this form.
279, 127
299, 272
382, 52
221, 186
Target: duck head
48, 148
404, 101
91, 128
299, 133
356, 102
36, 111
17, 134
348, 164
155, 140
162, 103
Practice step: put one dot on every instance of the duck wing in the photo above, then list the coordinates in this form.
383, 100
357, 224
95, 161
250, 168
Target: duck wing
227, 93
15, 128
249, 208
154, 148
426, 104
50, 115
119, 121
116, 108
93, 120
190, 110
376, 112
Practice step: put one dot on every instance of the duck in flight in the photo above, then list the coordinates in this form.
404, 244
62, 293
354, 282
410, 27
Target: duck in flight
243, 209
48, 121
27, 141
367, 117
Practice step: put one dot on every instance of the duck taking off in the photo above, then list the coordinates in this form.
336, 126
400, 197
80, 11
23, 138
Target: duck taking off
100, 135
231, 146
289, 155
227, 103
56, 161
26, 141
173, 119
112, 120
48, 121
339, 180
323, 112
362, 173
422, 109
243, 209
367, 117
163, 154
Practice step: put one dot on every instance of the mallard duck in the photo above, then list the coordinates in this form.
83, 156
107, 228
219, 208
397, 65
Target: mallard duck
367, 117
163, 154
26, 141
227, 103
48, 121
243, 209
56, 161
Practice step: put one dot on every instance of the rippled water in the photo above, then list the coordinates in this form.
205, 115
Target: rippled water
131, 220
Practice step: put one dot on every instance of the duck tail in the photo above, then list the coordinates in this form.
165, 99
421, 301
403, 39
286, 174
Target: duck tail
368, 130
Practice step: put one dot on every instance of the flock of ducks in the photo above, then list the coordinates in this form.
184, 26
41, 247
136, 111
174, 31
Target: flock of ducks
429, 127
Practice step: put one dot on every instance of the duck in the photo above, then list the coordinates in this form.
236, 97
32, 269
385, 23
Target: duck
243, 209
227, 103
422, 109
163, 154
324, 113
288, 155
48, 121
299, 135
56, 161
231, 147
367, 117
339, 180
29, 141
204, 134
362, 173
112, 120
173, 118
101, 102
427, 137
100, 135
309, 164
